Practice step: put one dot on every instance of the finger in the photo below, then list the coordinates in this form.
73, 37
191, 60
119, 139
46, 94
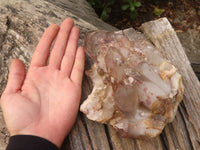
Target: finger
78, 68
70, 53
16, 76
42, 51
60, 43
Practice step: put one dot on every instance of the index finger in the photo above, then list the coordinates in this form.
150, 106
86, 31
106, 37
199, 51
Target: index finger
42, 51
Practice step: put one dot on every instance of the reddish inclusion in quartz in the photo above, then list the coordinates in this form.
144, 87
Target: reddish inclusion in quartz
136, 90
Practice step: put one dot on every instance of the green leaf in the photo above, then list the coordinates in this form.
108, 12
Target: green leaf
104, 14
125, 7
137, 4
158, 11
132, 7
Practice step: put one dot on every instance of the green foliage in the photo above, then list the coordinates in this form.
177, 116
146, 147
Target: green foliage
158, 11
102, 7
131, 5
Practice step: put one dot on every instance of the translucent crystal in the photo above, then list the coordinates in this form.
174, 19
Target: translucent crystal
135, 89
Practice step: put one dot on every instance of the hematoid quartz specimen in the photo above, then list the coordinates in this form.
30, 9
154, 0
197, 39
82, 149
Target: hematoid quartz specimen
135, 89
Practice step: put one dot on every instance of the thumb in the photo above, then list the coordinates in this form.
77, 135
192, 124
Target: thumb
16, 76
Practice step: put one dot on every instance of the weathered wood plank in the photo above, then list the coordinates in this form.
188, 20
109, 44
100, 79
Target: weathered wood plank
97, 134
83, 10
119, 143
196, 68
164, 37
21, 26
79, 138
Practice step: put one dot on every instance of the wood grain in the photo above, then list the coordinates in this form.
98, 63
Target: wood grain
161, 33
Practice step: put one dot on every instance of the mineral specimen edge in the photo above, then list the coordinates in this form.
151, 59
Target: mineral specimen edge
135, 89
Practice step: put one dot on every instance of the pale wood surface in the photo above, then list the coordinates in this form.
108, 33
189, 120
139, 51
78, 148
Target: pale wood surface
22, 22
163, 36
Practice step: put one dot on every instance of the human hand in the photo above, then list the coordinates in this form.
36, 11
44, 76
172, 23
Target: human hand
45, 101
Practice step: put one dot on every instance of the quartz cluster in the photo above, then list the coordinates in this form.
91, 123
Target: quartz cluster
135, 89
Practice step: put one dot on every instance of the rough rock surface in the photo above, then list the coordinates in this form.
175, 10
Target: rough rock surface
136, 90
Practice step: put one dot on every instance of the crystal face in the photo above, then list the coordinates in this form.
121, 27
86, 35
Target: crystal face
135, 89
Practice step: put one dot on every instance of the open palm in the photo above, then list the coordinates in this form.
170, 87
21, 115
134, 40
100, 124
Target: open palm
45, 101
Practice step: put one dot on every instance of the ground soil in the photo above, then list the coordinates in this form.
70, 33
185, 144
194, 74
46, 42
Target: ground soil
121, 19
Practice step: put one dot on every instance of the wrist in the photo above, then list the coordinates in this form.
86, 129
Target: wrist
54, 138
29, 142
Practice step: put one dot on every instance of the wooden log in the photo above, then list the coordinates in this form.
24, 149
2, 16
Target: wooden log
22, 23
163, 36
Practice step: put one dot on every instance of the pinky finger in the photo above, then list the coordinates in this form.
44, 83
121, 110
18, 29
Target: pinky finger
16, 76
78, 68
